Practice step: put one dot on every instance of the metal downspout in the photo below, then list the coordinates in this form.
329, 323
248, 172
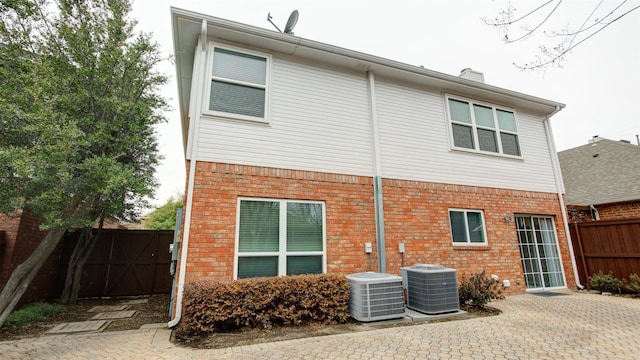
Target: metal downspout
558, 178
195, 113
377, 177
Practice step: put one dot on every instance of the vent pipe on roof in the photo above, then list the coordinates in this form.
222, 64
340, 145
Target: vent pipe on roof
595, 138
471, 74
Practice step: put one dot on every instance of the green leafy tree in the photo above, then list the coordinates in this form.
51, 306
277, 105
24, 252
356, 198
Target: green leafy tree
78, 104
164, 217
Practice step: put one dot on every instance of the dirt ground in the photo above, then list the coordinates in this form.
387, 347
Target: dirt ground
154, 311
257, 336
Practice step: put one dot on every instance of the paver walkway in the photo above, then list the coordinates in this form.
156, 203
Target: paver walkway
574, 326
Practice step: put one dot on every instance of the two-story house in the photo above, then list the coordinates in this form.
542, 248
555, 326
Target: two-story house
303, 157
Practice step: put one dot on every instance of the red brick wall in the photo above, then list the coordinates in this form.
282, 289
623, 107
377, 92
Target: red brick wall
628, 210
348, 201
415, 213
9, 225
22, 236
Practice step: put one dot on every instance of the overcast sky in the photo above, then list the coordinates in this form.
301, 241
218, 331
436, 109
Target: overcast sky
599, 82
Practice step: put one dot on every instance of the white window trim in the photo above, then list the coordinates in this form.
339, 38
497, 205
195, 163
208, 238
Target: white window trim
207, 85
466, 227
474, 127
282, 250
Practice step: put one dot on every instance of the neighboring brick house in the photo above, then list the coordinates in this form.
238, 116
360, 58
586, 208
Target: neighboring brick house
302, 155
19, 236
602, 180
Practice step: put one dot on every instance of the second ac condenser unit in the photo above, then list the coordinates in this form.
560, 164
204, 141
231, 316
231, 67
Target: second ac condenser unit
375, 296
431, 289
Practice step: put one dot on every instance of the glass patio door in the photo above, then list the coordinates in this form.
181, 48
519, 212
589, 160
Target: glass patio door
539, 252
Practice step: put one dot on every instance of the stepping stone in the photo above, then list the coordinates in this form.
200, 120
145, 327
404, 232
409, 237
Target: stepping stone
103, 308
112, 315
135, 302
79, 327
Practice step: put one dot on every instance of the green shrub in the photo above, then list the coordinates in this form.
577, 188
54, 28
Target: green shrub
606, 282
31, 313
479, 289
634, 282
212, 306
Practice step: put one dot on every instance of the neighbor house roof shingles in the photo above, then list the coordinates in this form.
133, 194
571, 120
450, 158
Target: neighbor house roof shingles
602, 172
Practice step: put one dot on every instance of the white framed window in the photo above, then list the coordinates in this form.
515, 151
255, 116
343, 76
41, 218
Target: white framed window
482, 127
238, 86
467, 227
280, 237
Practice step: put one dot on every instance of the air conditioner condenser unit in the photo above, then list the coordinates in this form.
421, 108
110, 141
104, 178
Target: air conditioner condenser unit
431, 289
375, 296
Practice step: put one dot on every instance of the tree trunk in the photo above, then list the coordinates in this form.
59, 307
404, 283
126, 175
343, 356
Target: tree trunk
79, 257
25, 272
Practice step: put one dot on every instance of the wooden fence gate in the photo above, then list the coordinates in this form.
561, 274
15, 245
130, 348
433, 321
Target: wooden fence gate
123, 263
608, 245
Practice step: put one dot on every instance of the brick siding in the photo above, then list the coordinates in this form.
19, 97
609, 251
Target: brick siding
416, 214
628, 210
22, 236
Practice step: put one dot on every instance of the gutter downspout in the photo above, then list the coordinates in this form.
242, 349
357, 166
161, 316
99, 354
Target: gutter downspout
377, 176
195, 115
558, 177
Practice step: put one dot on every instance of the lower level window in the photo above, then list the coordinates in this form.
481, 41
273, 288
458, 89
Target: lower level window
280, 237
467, 226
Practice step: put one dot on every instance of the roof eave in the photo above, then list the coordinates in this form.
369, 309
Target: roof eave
186, 28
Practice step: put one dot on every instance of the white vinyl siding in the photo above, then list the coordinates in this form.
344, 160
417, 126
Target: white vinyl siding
319, 121
414, 143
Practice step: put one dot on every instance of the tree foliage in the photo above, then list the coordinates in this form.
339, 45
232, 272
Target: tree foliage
78, 104
164, 217
539, 18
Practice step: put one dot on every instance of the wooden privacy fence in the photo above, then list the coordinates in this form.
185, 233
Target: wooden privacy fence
123, 263
608, 245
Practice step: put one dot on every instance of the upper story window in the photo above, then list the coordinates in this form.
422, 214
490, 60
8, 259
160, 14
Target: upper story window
238, 84
482, 127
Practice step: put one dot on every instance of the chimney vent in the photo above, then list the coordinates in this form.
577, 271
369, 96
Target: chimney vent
471, 74
595, 138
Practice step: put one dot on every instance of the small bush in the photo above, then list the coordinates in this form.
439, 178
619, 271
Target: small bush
606, 282
31, 313
479, 289
213, 306
634, 282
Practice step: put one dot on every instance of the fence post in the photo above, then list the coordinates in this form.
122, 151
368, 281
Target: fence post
584, 262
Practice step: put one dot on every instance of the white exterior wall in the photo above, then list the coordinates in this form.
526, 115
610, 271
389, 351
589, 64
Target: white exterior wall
414, 143
320, 121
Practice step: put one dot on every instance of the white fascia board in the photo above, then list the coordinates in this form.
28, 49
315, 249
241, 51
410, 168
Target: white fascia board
187, 26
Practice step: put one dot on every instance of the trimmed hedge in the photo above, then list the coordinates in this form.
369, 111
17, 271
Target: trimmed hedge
213, 306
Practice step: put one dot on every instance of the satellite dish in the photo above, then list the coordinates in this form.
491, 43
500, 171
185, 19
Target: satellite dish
291, 23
